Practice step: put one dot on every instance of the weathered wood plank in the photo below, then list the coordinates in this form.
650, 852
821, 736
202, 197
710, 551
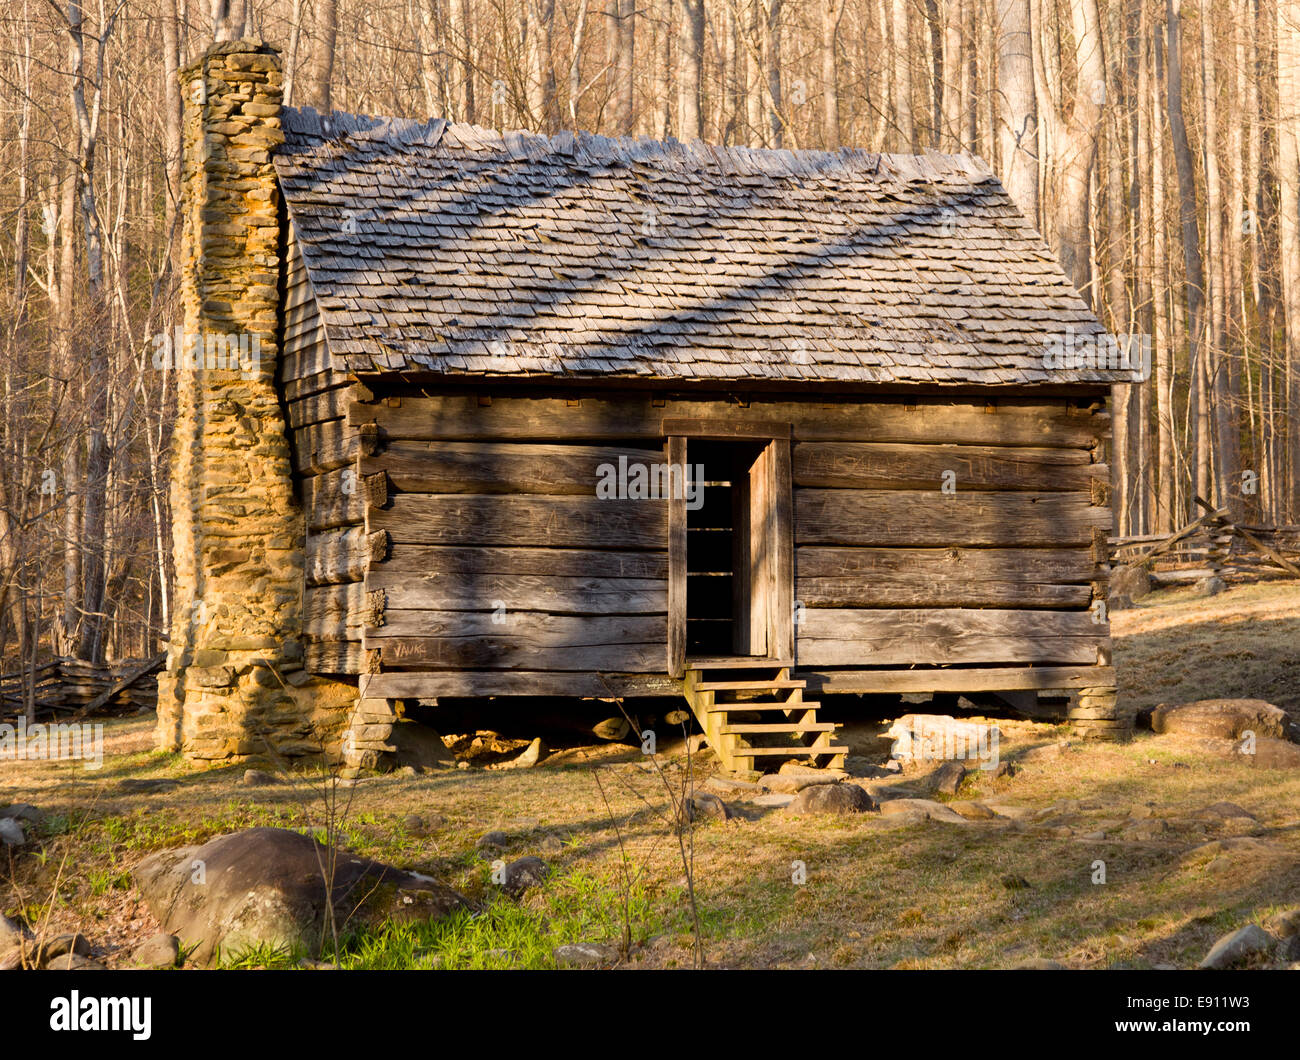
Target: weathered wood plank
893, 637
462, 519
461, 591
552, 562
612, 416
468, 640
861, 465
334, 657
675, 450
973, 679
329, 404
723, 424
418, 685
512, 467
339, 612
923, 517
326, 446
334, 498
781, 545
943, 577
338, 556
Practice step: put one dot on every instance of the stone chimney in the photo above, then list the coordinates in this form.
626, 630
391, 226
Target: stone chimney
234, 687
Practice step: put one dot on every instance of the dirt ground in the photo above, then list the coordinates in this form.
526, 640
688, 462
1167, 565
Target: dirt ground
1100, 856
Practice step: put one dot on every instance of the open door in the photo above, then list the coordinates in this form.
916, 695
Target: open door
730, 555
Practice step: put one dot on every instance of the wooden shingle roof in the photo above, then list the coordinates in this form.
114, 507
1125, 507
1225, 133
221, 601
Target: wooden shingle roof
451, 249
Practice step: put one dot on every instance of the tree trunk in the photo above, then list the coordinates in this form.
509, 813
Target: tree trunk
1078, 149
901, 55
1288, 173
320, 74
690, 71
832, 12
1018, 125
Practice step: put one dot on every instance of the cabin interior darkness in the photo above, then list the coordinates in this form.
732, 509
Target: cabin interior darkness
718, 551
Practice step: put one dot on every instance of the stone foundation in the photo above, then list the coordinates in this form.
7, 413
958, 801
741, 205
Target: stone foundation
235, 688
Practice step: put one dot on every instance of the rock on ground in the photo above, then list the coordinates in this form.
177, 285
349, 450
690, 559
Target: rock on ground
492, 841
611, 729
264, 886
1131, 583
159, 951
947, 778
704, 806
584, 955
1222, 718
936, 811
1242, 945
11, 832
524, 873
832, 798
419, 746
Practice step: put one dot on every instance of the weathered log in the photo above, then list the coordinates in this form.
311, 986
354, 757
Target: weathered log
928, 518
888, 637
463, 519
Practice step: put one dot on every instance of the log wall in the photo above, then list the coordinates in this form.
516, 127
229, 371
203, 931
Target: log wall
927, 532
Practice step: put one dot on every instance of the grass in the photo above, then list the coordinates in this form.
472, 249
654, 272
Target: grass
876, 893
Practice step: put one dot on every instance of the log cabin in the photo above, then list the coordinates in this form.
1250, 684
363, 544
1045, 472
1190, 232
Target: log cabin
581, 417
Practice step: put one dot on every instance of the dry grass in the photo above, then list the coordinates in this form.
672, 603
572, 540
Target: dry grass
1244, 643
878, 894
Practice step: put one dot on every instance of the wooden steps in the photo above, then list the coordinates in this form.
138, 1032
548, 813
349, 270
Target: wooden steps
743, 686
718, 699
736, 662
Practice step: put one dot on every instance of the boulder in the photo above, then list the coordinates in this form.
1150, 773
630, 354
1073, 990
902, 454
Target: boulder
611, 729
492, 841
11, 832
1284, 924
74, 962
159, 951
704, 806
831, 798
584, 955
947, 778
23, 811
793, 783
1243, 945
974, 811
1129, 582
11, 934
265, 887
257, 778
935, 811
1221, 718
532, 755
61, 946
941, 737
524, 873
729, 786
1210, 586
419, 746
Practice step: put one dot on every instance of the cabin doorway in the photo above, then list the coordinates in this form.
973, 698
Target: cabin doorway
730, 551
725, 547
